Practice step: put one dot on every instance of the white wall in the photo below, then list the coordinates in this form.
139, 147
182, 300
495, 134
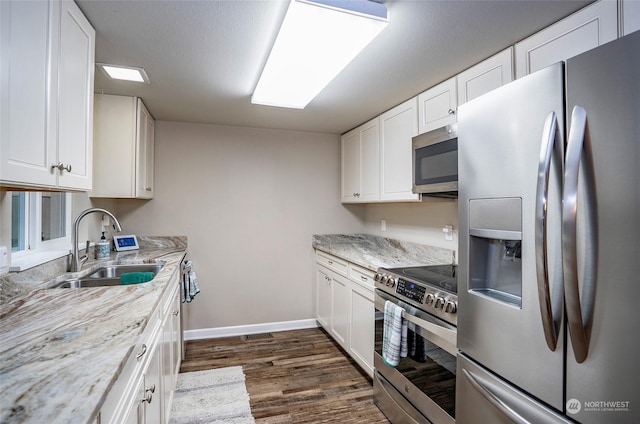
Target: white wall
416, 222
249, 201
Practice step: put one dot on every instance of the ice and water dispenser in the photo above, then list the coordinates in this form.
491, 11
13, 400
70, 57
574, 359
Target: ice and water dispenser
495, 249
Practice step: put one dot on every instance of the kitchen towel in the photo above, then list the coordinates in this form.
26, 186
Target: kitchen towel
394, 334
190, 286
136, 277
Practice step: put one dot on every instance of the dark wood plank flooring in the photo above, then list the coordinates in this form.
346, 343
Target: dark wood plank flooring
299, 376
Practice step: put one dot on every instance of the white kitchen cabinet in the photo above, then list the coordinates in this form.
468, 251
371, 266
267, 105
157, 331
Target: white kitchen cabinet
123, 148
487, 75
362, 326
46, 90
397, 127
630, 16
323, 297
361, 163
144, 389
345, 308
437, 106
584, 30
340, 289
171, 349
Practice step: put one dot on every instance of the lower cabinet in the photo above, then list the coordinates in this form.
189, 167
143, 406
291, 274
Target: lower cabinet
345, 306
143, 392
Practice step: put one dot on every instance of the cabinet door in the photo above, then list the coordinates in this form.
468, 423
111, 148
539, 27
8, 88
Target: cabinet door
350, 165
153, 388
370, 161
26, 155
397, 127
145, 146
485, 76
75, 98
630, 11
584, 30
437, 106
176, 337
340, 304
361, 327
323, 297
114, 132
135, 415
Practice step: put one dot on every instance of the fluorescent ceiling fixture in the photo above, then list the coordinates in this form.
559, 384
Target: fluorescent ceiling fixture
317, 40
126, 73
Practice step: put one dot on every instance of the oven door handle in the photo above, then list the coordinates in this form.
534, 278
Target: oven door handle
449, 335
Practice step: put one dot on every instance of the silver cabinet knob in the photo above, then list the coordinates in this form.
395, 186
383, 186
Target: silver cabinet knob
151, 389
61, 167
451, 112
148, 398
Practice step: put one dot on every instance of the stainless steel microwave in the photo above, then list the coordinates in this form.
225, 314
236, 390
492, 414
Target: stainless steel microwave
435, 162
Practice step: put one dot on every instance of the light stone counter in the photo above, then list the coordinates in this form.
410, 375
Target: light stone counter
372, 252
61, 350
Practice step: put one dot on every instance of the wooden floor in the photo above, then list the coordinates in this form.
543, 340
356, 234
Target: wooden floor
299, 376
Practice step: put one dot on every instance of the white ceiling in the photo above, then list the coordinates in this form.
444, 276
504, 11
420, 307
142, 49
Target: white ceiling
204, 57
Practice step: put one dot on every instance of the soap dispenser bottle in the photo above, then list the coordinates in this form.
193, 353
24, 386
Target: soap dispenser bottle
103, 248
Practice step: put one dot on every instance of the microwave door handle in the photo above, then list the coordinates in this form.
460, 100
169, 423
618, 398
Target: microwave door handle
550, 306
578, 311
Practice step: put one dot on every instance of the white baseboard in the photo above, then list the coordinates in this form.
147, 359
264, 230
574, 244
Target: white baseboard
241, 330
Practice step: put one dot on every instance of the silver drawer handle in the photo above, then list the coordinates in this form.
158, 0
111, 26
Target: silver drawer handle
363, 278
142, 351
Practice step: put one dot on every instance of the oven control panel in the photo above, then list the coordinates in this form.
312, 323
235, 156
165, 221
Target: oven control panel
410, 290
424, 296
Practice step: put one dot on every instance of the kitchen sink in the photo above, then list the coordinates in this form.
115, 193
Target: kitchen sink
109, 275
115, 271
89, 282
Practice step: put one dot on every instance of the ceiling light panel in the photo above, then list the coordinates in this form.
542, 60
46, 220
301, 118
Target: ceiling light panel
125, 73
316, 42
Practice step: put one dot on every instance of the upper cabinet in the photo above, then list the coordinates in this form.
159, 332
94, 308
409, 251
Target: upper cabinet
437, 106
46, 85
630, 16
361, 163
586, 29
397, 127
123, 148
485, 76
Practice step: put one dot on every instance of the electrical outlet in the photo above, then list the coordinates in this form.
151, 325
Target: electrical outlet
383, 225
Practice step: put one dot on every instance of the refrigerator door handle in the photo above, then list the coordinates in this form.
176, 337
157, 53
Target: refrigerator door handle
484, 388
550, 303
577, 322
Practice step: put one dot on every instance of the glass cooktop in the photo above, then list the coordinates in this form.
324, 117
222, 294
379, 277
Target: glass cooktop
443, 276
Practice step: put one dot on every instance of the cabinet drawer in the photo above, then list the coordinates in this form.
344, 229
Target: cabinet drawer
331, 262
361, 275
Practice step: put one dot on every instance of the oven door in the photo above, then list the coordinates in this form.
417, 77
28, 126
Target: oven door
425, 381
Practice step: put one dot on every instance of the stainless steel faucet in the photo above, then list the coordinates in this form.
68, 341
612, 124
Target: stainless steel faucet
76, 261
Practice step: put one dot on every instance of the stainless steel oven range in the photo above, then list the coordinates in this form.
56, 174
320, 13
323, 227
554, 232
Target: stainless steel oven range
421, 388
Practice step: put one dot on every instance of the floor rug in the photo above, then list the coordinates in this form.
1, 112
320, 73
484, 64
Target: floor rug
214, 396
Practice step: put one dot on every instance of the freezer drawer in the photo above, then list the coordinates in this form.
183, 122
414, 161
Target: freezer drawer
481, 397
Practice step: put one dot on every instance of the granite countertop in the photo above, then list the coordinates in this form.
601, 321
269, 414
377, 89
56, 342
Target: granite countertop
372, 252
61, 350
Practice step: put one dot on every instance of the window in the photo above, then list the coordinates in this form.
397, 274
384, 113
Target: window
40, 223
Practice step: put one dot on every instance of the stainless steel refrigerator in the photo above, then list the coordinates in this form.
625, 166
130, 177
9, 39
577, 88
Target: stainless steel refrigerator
549, 266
